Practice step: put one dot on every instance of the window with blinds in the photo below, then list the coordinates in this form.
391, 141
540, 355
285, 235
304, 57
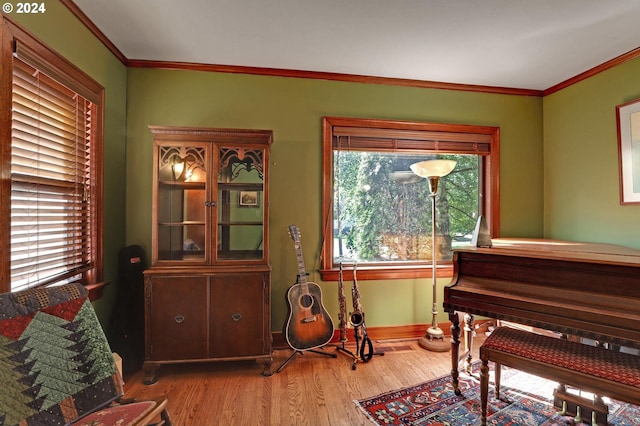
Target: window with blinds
54, 183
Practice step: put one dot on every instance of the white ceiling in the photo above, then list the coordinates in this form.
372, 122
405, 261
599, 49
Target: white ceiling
524, 44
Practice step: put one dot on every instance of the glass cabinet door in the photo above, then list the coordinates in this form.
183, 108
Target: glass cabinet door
182, 203
210, 197
241, 207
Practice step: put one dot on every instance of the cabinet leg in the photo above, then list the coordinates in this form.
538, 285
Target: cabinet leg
150, 371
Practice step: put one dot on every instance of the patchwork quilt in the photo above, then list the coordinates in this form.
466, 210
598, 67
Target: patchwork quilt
55, 362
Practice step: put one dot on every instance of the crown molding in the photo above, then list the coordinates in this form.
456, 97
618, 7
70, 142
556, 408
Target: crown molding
352, 78
633, 54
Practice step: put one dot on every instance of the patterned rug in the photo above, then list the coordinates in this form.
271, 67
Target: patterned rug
524, 400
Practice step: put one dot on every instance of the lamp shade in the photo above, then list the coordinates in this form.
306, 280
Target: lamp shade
433, 168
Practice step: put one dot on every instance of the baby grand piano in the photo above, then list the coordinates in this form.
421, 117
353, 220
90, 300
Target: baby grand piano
584, 289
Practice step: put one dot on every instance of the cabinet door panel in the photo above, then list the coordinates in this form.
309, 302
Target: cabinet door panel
238, 315
179, 317
181, 197
242, 208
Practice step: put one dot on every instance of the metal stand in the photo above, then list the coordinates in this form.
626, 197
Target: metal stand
342, 315
284, 364
360, 350
348, 352
357, 322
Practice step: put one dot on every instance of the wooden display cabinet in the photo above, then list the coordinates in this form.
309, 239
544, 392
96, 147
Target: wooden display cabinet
207, 293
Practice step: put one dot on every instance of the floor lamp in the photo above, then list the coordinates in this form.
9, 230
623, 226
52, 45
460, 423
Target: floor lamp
433, 170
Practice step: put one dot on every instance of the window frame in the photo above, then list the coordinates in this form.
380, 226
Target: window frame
435, 137
14, 38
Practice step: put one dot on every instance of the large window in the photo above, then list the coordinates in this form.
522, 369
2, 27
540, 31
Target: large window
53, 155
378, 212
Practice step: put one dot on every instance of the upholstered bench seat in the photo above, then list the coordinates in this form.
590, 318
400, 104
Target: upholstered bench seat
132, 414
590, 368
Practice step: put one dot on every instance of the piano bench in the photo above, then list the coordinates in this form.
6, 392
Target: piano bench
590, 368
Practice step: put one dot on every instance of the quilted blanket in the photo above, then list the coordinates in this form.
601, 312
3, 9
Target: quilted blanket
55, 362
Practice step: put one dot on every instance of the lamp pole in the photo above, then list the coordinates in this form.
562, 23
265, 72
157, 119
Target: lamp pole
433, 170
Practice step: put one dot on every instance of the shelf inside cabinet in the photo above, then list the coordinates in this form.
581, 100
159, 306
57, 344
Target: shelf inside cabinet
186, 222
239, 186
183, 185
240, 254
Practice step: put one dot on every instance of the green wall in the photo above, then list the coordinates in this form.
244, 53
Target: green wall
59, 29
293, 108
581, 185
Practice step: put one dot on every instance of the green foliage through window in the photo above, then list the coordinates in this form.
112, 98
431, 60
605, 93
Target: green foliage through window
382, 210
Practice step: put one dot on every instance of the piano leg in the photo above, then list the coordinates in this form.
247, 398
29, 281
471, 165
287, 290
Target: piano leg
469, 326
455, 350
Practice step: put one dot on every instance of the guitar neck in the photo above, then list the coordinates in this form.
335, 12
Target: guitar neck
302, 274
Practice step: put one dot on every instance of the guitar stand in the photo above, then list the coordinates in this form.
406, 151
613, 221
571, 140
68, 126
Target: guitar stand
297, 352
301, 352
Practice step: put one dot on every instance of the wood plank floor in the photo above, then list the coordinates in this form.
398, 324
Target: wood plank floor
312, 389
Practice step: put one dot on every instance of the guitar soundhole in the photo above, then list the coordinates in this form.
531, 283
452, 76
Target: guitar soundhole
306, 301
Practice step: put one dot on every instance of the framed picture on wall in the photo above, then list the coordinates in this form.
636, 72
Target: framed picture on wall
628, 119
248, 199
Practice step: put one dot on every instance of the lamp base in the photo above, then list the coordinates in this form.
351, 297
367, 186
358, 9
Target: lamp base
434, 341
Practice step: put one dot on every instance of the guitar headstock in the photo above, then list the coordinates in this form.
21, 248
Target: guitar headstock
294, 233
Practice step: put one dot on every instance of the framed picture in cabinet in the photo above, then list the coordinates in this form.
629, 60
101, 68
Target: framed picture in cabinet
248, 199
628, 119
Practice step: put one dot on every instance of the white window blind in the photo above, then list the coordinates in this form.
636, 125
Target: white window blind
52, 180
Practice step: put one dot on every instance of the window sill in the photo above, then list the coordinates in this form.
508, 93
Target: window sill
95, 290
387, 273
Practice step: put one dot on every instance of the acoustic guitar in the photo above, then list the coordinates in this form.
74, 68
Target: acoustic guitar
308, 325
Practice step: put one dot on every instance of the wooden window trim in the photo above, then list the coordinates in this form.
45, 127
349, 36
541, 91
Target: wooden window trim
407, 136
13, 38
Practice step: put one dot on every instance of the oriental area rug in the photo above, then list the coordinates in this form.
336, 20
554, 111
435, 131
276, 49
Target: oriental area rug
524, 400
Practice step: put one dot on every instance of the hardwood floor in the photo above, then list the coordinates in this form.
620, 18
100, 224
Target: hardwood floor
311, 390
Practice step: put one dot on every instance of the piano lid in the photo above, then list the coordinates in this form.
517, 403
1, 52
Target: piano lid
560, 250
588, 289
